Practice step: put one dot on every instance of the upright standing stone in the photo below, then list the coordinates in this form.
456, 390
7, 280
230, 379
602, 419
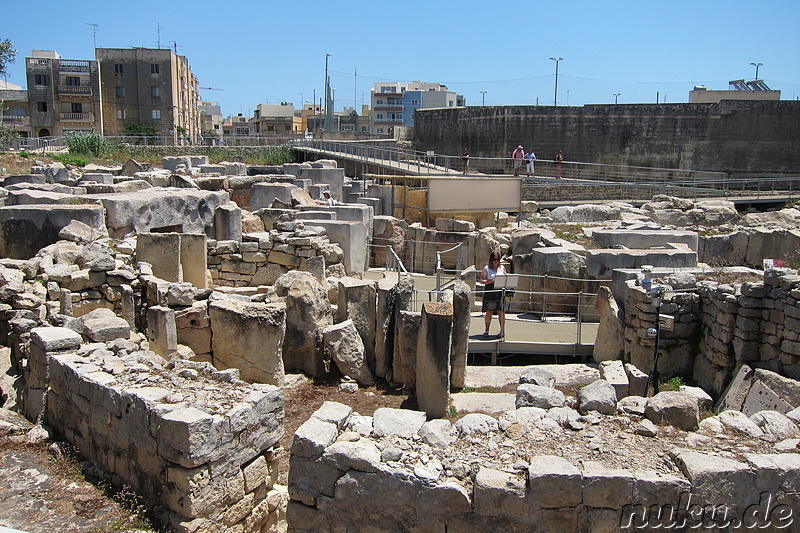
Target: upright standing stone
356, 300
384, 317
249, 336
433, 359
194, 259
404, 364
458, 350
161, 331
228, 223
163, 252
308, 312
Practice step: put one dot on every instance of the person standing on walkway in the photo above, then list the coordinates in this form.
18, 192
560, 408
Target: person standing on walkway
559, 159
492, 299
465, 161
518, 157
530, 157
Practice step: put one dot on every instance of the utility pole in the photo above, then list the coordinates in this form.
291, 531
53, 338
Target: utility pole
555, 92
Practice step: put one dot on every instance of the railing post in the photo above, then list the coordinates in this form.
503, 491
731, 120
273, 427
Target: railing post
579, 319
544, 300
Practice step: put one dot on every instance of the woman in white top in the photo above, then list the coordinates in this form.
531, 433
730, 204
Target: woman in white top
492, 299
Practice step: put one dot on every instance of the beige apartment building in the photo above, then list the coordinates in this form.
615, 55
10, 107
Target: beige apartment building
63, 95
151, 88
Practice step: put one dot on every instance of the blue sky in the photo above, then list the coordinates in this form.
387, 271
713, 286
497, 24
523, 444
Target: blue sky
271, 51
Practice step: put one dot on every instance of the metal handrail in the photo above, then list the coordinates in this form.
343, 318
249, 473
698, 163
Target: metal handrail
439, 269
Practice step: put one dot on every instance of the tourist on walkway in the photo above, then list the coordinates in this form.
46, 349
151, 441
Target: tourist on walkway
492, 299
558, 160
518, 156
465, 161
530, 157
328, 199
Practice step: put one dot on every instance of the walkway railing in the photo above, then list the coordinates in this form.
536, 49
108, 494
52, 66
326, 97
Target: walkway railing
696, 183
36, 144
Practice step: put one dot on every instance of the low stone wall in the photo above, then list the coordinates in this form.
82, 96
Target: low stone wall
718, 326
198, 444
395, 472
753, 323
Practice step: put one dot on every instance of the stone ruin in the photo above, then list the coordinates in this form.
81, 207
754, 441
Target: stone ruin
152, 321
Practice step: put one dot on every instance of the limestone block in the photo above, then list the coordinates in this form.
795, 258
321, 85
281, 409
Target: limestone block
530, 395
357, 301
606, 487
609, 342
362, 455
598, 396
384, 324
460, 337
614, 373
677, 409
308, 313
715, 480
553, 482
161, 331
761, 397
228, 223
657, 488
776, 426
402, 422
41, 226
404, 366
310, 478
103, 325
736, 393
433, 359
52, 339
344, 345
498, 493
704, 401
312, 437
249, 336
637, 380
776, 472
335, 413
163, 252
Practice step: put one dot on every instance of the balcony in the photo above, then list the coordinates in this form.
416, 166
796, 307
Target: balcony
14, 120
389, 107
76, 117
70, 66
75, 89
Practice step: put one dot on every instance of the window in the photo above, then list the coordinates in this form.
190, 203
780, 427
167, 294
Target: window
120, 114
156, 114
154, 68
155, 92
118, 68
387, 89
380, 116
216, 126
73, 81
449, 103
414, 102
378, 102
41, 106
120, 92
76, 108
41, 79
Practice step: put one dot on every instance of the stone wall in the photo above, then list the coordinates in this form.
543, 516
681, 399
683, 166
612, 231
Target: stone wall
395, 471
198, 444
717, 327
745, 138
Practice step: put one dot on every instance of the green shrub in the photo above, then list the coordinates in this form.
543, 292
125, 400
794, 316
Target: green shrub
88, 143
674, 384
70, 160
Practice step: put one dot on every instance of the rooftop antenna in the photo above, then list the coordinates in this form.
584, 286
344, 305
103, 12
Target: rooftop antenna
175, 46
158, 27
94, 32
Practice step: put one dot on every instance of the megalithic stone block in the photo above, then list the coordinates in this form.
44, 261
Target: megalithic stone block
161, 331
228, 223
433, 359
460, 340
384, 333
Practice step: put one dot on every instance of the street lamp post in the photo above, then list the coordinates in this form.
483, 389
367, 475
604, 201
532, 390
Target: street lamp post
616, 95
757, 65
326, 126
483, 97
555, 92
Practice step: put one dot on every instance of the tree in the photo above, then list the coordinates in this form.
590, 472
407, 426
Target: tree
7, 56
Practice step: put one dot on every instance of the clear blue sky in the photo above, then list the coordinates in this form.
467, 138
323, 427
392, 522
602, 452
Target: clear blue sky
270, 51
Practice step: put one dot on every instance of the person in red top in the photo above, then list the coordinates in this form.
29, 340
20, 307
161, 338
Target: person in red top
518, 156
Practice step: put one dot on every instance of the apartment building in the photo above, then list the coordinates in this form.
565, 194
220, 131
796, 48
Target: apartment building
149, 88
211, 123
63, 94
14, 113
273, 119
393, 103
